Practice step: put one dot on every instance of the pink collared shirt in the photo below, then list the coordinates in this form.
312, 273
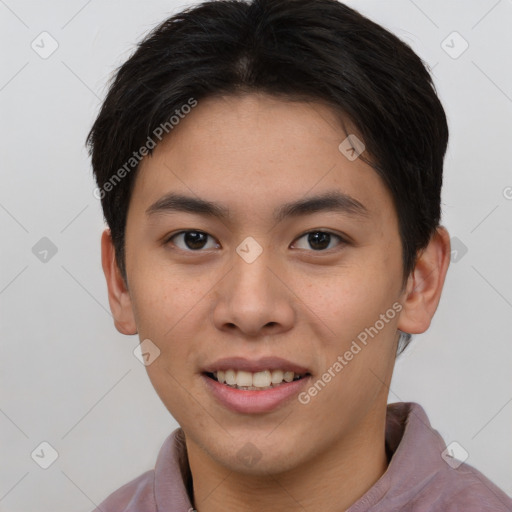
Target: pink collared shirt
418, 478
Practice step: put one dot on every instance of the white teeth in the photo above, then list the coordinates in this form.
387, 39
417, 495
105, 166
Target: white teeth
230, 377
277, 376
261, 379
288, 376
258, 380
243, 378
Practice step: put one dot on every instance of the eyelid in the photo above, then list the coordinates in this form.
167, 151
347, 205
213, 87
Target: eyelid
168, 239
324, 230
343, 239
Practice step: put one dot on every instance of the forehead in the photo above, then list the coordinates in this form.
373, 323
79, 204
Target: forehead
254, 152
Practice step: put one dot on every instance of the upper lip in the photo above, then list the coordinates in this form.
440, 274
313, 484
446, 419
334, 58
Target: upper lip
255, 365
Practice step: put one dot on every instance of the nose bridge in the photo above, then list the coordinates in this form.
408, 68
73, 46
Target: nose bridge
250, 297
251, 274
251, 261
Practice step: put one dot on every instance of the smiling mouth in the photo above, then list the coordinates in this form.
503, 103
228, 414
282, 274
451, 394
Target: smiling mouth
254, 381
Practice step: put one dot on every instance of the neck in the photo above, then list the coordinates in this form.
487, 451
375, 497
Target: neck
331, 481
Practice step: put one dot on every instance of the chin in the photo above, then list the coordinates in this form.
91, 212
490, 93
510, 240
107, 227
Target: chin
257, 457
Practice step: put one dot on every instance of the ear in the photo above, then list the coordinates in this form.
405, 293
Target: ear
424, 285
118, 296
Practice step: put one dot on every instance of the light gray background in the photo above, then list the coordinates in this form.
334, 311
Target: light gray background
68, 377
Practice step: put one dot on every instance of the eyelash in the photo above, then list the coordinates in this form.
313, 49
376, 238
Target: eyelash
341, 240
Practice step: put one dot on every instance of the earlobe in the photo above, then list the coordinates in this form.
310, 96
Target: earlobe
118, 295
425, 284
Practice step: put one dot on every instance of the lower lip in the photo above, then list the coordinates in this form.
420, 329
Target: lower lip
251, 402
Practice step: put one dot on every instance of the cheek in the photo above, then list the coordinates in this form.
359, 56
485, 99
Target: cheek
351, 299
170, 309
163, 298
358, 357
167, 308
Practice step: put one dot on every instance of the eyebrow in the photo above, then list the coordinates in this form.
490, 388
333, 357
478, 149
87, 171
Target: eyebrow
330, 201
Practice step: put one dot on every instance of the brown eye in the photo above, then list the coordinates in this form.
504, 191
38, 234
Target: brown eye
191, 240
318, 240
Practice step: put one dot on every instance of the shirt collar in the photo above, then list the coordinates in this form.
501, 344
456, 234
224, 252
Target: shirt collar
408, 433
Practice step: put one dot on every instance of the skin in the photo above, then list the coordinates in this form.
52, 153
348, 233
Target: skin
252, 153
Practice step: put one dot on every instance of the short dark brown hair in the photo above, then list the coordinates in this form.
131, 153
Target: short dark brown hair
316, 50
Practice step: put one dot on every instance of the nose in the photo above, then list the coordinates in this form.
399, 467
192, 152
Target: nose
253, 300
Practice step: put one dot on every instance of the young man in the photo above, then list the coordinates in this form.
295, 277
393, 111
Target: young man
270, 172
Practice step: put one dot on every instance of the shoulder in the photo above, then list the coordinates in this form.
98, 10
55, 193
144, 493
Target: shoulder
465, 489
135, 496
424, 475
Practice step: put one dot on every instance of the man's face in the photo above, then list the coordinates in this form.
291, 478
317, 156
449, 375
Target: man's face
270, 287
